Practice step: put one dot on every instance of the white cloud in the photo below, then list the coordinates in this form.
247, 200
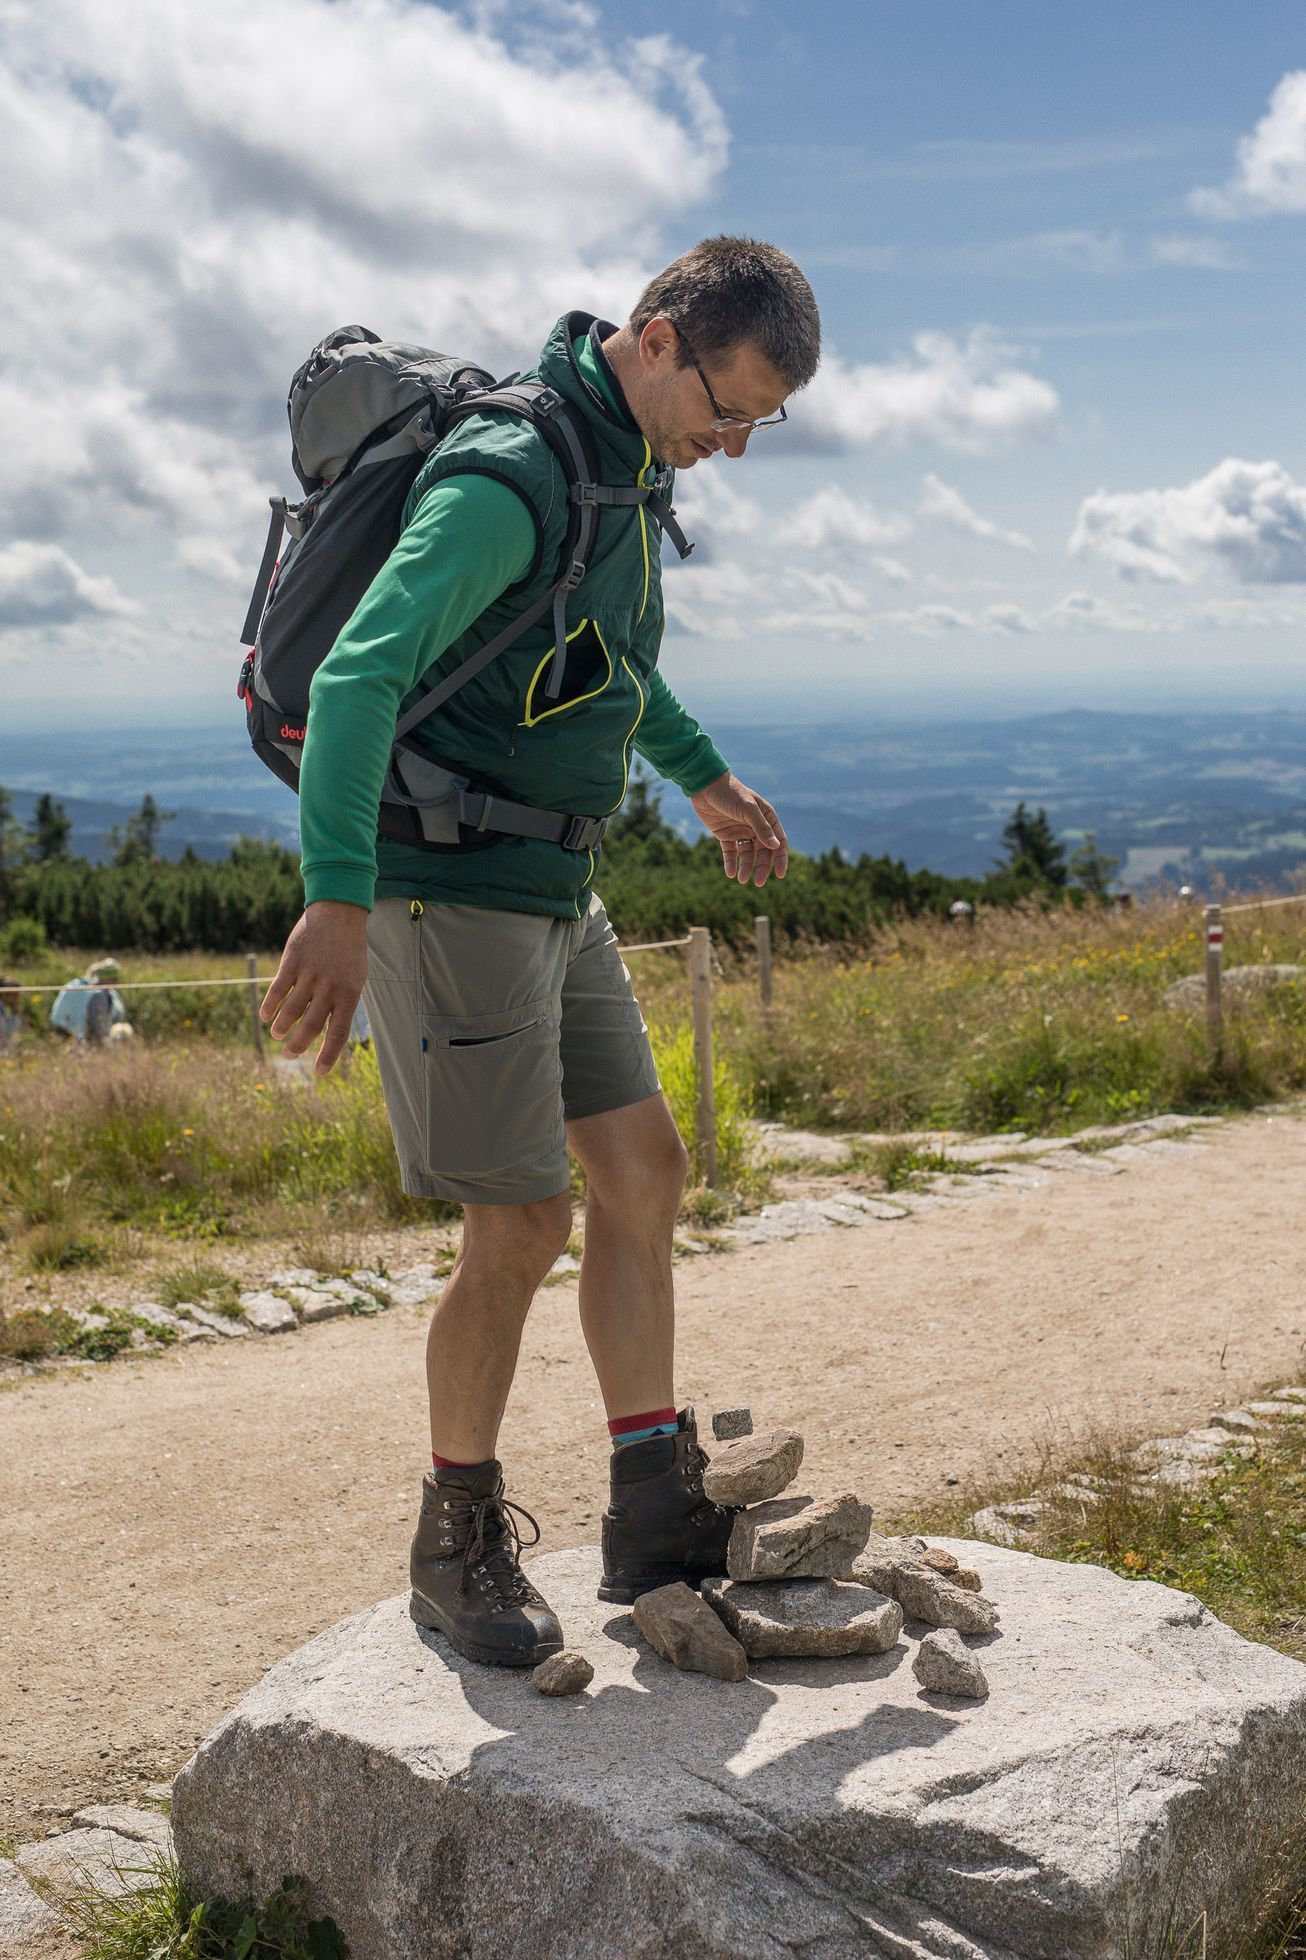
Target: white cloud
942, 504
961, 394
40, 585
1271, 171
832, 521
194, 195
1007, 619
1085, 612
1196, 250
1246, 519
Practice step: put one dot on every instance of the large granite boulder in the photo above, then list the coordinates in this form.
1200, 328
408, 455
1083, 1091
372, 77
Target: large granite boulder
1129, 1752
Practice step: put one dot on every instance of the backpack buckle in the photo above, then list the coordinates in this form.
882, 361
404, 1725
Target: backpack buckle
575, 575
583, 833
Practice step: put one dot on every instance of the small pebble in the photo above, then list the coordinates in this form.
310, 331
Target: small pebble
946, 1666
729, 1423
562, 1674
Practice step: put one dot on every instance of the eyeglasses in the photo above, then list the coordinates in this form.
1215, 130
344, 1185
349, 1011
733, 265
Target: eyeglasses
723, 421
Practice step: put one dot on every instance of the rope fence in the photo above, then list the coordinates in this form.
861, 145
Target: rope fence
698, 942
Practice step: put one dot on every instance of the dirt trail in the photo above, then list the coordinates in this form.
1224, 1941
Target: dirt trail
172, 1527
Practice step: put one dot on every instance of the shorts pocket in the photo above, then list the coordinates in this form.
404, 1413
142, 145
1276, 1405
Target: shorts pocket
492, 1089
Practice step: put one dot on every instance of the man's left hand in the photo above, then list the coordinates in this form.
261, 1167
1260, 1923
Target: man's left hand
751, 836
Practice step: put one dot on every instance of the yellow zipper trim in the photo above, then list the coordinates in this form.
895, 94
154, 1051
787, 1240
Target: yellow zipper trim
530, 720
643, 531
589, 873
630, 736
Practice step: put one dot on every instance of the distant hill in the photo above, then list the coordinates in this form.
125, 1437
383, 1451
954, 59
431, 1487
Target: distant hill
1184, 797
209, 833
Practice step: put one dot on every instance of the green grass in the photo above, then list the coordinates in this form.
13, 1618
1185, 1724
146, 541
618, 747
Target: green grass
163, 1921
1044, 1022
901, 1166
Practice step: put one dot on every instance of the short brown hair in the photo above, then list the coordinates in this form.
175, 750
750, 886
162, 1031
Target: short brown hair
728, 291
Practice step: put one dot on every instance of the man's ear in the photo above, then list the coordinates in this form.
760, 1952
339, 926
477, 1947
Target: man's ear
657, 343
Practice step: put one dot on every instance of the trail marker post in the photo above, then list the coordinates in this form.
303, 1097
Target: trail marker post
251, 968
762, 926
1214, 963
700, 982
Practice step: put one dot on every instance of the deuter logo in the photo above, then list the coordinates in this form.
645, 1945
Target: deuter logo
289, 734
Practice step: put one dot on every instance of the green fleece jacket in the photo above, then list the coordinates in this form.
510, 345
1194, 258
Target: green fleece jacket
483, 531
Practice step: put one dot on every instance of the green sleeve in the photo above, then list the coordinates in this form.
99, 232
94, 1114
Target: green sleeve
469, 539
673, 742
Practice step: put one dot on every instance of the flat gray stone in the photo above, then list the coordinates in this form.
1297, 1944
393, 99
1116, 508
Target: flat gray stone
1190, 992
166, 1321
685, 1631
1013, 1524
944, 1666
129, 1821
23, 1913
1289, 1395
819, 1807
1237, 1421
217, 1323
562, 1674
268, 1313
729, 1423
754, 1468
892, 1568
414, 1287
1277, 1411
294, 1276
825, 1618
89, 1860
313, 1303
1082, 1160
798, 1538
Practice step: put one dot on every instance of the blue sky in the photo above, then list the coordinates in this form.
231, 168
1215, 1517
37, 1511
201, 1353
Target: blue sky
1055, 455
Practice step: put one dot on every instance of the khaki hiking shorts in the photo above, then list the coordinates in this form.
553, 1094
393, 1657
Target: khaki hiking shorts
493, 1030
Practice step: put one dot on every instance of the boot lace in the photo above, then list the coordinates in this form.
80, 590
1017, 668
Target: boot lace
494, 1546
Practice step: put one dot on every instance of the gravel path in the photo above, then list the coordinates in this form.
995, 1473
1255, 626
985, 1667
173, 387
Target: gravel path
173, 1526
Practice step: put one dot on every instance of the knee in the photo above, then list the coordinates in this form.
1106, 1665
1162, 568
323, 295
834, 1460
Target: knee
525, 1239
655, 1174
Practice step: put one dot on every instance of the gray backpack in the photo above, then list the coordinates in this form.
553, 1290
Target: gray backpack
364, 415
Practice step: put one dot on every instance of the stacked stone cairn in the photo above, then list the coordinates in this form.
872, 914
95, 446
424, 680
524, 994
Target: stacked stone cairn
808, 1578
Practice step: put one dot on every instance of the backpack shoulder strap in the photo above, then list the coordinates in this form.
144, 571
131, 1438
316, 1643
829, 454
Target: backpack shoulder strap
571, 442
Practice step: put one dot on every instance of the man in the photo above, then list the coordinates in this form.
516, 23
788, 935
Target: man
503, 1018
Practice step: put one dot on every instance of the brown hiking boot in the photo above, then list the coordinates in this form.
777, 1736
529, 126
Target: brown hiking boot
467, 1582
659, 1526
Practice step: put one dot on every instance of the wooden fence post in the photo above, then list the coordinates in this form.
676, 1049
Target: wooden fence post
700, 982
1214, 961
251, 968
763, 929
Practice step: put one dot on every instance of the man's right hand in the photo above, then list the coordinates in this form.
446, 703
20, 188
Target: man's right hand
318, 982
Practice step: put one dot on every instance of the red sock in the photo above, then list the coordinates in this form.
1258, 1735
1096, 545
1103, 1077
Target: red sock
447, 1463
635, 1429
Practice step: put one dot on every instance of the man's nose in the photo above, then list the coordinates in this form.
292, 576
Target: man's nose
734, 441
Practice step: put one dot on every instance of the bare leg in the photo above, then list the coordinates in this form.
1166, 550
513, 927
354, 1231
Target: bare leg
475, 1332
635, 1165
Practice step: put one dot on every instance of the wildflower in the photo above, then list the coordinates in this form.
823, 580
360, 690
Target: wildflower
188, 1133
1122, 1017
1135, 1561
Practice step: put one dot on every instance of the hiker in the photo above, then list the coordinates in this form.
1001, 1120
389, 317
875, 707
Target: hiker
502, 1016
90, 1009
